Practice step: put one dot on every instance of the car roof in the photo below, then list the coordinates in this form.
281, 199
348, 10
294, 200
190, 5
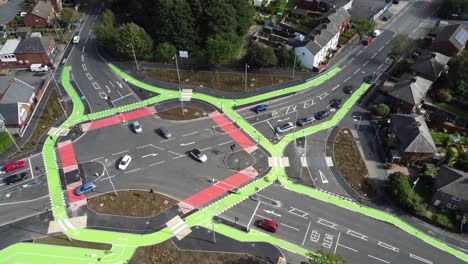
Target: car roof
87, 184
270, 223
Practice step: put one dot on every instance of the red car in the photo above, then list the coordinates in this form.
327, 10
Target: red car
268, 225
12, 166
367, 42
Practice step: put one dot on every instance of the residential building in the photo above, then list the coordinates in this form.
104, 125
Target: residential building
323, 5
451, 189
57, 4
36, 50
40, 16
407, 95
414, 139
23, 32
338, 17
7, 51
451, 40
431, 66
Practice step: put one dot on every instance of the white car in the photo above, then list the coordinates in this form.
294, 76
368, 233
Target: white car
76, 39
376, 33
137, 127
198, 155
123, 164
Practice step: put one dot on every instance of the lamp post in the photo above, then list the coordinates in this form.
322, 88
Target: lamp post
134, 55
178, 79
245, 77
294, 65
214, 233
414, 185
2, 124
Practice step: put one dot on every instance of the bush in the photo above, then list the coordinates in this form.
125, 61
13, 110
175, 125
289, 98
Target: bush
259, 55
444, 95
443, 220
382, 110
165, 52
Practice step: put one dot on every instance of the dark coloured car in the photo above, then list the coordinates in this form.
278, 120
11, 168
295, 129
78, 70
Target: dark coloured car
306, 120
16, 178
268, 225
336, 103
370, 79
165, 132
198, 155
261, 108
348, 89
322, 114
367, 42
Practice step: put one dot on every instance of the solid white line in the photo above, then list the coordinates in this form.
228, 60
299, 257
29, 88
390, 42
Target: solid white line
365, 63
337, 240
156, 163
132, 170
205, 149
270, 126
124, 96
152, 154
189, 134
255, 211
117, 153
297, 229
380, 66
145, 146
356, 71
30, 168
350, 60
373, 55
111, 84
347, 79
187, 144
174, 153
360, 52
420, 259
352, 249
224, 143
378, 259
307, 231
387, 246
381, 48
166, 140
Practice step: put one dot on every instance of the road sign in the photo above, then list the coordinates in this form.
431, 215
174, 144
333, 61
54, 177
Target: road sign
183, 54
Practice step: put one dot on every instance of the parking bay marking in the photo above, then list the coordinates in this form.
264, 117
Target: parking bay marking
300, 214
356, 234
297, 229
187, 144
156, 163
420, 259
307, 231
387, 246
149, 155
117, 153
370, 256
327, 223
137, 169
271, 212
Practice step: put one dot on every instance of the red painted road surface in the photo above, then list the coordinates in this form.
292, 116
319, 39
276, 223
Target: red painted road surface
67, 156
120, 118
71, 192
233, 132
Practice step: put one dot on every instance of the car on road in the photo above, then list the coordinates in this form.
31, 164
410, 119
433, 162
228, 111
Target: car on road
76, 39
370, 78
322, 114
284, 127
137, 127
376, 33
123, 164
198, 155
165, 133
261, 108
15, 178
336, 103
367, 42
348, 89
268, 225
12, 166
85, 188
306, 120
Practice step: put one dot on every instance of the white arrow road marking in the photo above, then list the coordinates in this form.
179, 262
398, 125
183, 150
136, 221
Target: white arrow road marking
356, 234
420, 259
108, 90
271, 212
387, 246
111, 84
187, 144
322, 177
119, 84
150, 155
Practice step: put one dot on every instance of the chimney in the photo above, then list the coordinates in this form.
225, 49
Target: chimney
434, 55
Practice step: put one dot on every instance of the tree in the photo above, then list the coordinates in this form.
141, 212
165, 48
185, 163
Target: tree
165, 52
218, 50
449, 7
244, 15
106, 32
444, 95
450, 156
285, 57
132, 34
457, 79
258, 55
325, 258
219, 18
382, 110
462, 162
363, 27
402, 45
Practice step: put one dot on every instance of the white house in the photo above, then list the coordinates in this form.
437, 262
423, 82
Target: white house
7, 51
321, 42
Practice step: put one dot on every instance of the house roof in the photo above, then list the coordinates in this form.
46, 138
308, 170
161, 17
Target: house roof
320, 36
18, 91
337, 16
412, 133
411, 91
42, 9
34, 45
455, 34
453, 182
10, 113
5, 83
431, 65
9, 46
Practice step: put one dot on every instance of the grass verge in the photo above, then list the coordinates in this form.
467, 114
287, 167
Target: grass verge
5, 141
226, 82
62, 240
166, 253
349, 162
176, 113
131, 203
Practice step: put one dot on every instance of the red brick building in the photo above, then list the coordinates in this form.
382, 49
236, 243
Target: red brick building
40, 16
57, 4
34, 50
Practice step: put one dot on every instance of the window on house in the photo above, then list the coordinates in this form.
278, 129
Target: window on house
23, 115
452, 206
456, 199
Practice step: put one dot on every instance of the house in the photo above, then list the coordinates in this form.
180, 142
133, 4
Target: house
414, 139
7, 52
451, 187
57, 4
323, 5
40, 16
36, 50
407, 95
451, 40
431, 66
23, 32
318, 46
338, 17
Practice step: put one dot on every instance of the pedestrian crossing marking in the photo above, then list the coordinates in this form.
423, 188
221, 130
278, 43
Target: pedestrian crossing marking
278, 161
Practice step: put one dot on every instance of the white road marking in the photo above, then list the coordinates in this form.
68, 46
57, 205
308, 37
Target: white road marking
297, 229
322, 177
300, 214
334, 88
380, 66
327, 223
89, 76
178, 157
354, 73
327, 241
187, 144
96, 85
111, 84
119, 84
108, 89
293, 109
82, 56
174, 153
347, 79
281, 120
387, 246
381, 48
122, 97
205, 149
359, 53
420, 259
137, 169
350, 60
150, 155
320, 97
268, 122
365, 63
314, 236
84, 67
103, 95
373, 55
307, 231
352, 249
312, 102
271, 212
167, 140
370, 256
119, 93
220, 144
30, 168
193, 133
356, 234
255, 211
156, 163
117, 153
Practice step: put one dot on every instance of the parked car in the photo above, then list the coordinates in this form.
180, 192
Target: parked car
123, 164
367, 42
261, 108
12, 166
322, 114
348, 89
85, 188
370, 78
15, 178
39, 68
165, 132
376, 33
336, 103
76, 39
284, 127
306, 120
198, 155
137, 127
268, 225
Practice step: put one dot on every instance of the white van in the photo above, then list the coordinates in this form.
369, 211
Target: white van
76, 39
39, 68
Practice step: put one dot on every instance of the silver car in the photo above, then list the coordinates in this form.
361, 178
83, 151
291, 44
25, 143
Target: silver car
284, 127
137, 127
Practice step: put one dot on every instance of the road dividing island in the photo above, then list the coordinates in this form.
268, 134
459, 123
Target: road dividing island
67, 156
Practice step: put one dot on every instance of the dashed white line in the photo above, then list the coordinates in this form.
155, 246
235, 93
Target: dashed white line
220, 144
347, 79
193, 133
420, 259
384, 261
359, 52
373, 55
365, 63
297, 229
137, 169
380, 66
117, 153
356, 71
381, 48
156, 163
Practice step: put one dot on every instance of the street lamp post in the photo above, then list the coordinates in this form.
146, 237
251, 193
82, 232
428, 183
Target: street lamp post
414, 185
295, 122
294, 65
245, 77
214, 233
178, 79
105, 169
2, 123
134, 56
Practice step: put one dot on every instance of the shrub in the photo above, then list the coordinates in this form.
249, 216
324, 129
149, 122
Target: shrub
444, 95
443, 220
382, 110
